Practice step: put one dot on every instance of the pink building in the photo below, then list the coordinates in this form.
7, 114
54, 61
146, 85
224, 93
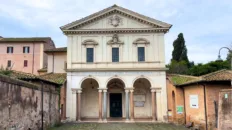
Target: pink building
25, 54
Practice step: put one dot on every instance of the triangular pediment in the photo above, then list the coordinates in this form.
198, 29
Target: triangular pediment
115, 17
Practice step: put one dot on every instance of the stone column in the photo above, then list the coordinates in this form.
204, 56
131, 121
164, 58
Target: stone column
153, 100
100, 104
79, 105
132, 104
127, 104
105, 106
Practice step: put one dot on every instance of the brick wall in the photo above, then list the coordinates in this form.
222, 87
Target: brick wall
173, 103
20, 105
195, 115
225, 110
212, 92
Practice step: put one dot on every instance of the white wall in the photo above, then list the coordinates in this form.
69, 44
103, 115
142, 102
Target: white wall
59, 62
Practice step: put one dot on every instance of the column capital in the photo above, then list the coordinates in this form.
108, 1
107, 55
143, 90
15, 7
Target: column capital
75, 90
153, 90
132, 90
105, 90
79, 91
156, 89
127, 90
100, 90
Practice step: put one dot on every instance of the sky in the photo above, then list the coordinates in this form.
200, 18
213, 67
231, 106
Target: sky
206, 24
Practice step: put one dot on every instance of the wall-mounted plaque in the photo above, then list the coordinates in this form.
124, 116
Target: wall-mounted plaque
139, 104
139, 98
179, 109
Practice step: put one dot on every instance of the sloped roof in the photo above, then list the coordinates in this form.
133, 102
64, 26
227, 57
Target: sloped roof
25, 39
111, 9
28, 76
61, 49
221, 75
177, 79
58, 78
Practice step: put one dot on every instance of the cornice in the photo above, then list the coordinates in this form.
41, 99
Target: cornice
115, 69
115, 10
112, 31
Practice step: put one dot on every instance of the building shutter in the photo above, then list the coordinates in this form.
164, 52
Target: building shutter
89, 54
141, 54
115, 54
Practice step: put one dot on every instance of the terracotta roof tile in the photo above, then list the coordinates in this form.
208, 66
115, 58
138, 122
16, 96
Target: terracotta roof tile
221, 75
28, 76
25, 39
61, 49
177, 79
58, 78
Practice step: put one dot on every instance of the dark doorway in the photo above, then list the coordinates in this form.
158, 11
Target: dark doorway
115, 105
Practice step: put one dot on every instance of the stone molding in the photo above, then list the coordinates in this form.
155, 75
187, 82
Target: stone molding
141, 41
113, 31
89, 42
115, 10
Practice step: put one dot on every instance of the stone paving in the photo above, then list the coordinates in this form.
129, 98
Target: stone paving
119, 126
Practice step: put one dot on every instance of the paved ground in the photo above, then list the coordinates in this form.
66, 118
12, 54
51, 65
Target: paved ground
119, 126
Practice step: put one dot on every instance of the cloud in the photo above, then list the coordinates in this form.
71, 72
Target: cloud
206, 24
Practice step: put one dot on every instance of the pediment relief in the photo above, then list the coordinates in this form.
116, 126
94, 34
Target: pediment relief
115, 40
89, 42
141, 41
115, 12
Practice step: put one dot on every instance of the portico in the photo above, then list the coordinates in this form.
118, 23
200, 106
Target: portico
116, 101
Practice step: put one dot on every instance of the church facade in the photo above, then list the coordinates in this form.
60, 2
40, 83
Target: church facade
116, 67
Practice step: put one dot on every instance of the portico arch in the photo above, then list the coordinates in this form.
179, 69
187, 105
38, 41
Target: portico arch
89, 98
142, 98
116, 97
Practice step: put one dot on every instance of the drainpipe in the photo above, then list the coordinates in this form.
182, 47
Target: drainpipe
33, 60
184, 106
206, 119
52, 62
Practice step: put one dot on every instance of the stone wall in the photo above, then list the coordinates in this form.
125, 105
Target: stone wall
225, 110
20, 105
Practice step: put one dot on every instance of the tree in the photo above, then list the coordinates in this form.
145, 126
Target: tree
180, 51
178, 67
210, 67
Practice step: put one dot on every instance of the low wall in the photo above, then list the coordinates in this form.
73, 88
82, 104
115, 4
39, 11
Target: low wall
20, 105
225, 110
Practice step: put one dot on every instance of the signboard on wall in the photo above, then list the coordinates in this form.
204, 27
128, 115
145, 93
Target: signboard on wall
179, 109
139, 100
193, 101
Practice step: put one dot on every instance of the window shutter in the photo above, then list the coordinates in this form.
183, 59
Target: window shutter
23, 49
7, 50
89, 54
28, 49
115, 54
141, 54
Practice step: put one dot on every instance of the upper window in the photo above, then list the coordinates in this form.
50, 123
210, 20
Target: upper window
26, 49
9, 63
141, 54
25, 63
10, 49
115, 54
89, 55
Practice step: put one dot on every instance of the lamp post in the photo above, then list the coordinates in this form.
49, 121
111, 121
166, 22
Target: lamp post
219, 55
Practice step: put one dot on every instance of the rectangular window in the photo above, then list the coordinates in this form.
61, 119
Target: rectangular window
141, 54
115, 54
26, 49
10, 49
25, 63
89, 55
9, 63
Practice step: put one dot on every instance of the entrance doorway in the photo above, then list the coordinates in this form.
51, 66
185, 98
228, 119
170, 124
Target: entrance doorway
115, 105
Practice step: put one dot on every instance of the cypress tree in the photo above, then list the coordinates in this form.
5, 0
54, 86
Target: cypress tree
180, 51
